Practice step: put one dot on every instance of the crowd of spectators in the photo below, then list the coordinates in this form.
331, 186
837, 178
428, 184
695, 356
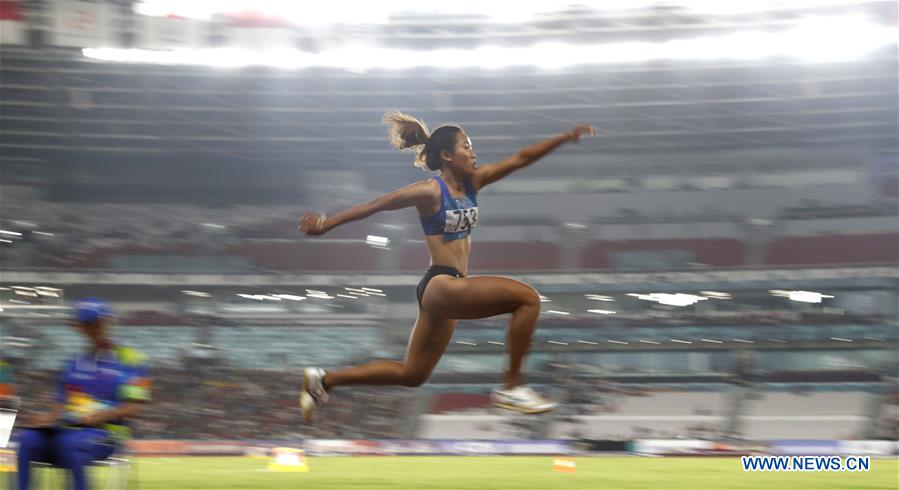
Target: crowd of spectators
214, 402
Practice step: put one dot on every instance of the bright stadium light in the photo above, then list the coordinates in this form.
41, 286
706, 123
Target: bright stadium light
558, 312
677, 299
373, 13
291, 297
599, 297
716, 294
807, 296
359, 12
736, 7
800, 296
811, 39
377, 241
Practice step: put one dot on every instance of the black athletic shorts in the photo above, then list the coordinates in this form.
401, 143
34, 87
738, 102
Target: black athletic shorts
430, 273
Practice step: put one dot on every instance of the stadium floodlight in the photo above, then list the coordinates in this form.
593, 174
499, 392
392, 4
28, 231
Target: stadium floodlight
807, 296
574, 226
297, 13
811, 39
677, 299
602, 312
374, 13
736, 7
358, 12
377, 241
800, 296
291, 297
599, 297
257, 297
716, 294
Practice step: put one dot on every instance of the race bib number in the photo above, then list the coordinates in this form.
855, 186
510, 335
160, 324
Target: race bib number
460, 220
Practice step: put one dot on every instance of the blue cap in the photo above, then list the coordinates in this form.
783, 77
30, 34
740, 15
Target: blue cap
89, 310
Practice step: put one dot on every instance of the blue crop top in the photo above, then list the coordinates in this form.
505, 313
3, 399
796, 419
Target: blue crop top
456, 216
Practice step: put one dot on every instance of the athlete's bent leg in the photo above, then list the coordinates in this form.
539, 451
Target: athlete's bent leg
486, 296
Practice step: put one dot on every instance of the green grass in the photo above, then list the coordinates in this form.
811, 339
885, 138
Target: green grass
513, 472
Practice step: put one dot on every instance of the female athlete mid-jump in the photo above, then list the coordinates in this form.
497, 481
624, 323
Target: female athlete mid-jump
448, 208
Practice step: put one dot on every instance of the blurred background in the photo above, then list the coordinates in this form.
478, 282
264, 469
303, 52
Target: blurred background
720, 264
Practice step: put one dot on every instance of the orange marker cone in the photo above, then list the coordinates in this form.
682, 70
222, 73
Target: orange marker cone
564, 465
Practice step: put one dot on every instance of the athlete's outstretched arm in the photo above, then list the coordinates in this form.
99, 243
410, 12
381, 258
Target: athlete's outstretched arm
418, 194
489, 174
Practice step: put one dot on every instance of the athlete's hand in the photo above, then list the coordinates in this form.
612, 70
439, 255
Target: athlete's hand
313, 224
581, 129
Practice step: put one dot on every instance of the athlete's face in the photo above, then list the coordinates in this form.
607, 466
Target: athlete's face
463, 159
96, 332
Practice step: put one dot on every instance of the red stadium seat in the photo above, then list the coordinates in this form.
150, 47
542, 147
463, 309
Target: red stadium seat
835, 249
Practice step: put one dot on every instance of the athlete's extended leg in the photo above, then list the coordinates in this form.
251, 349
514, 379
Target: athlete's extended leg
486, 296
427, 343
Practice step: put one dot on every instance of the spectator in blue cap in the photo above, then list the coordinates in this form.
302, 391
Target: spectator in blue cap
99, 392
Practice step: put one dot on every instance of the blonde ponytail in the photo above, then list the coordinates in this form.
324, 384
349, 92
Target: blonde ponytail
407, 132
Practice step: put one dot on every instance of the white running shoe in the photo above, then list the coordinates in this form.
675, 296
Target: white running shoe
313, 392
521, 399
